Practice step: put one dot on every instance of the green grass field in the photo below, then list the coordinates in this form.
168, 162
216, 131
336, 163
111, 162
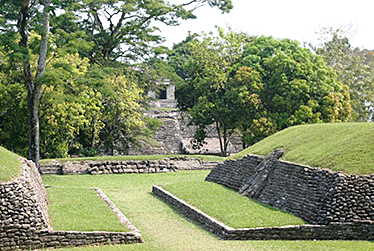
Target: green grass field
163, 229
10, 166
81, 209
346, 147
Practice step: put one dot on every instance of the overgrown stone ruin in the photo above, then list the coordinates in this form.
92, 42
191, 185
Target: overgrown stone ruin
336, 206
174, 137
165, 165
24, 218
316, 195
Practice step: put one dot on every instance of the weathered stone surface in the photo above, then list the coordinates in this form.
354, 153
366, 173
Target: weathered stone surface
172, 164
318, 196
75, 167
174, 136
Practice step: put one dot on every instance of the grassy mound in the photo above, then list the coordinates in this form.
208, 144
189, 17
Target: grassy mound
346, 147
10, 166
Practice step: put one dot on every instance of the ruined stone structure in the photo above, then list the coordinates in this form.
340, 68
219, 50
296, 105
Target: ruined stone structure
164, 96
24, 220
165, 165
318, 196
360, 230
337, 206
174, 137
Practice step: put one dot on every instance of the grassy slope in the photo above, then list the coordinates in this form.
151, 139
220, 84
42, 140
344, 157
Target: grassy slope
134, 157
10, 166
346, 147
163, 229
228, 206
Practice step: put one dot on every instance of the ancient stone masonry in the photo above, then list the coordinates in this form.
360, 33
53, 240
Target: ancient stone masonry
360, 230
174, 137
24, 201
254, 184
165, 165
317, 196
24, 219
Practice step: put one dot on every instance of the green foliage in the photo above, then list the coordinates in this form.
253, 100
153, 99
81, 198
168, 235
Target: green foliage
125, 30
163, 229
10, 166
258, 85
345, 147
298, 87
354, 67
88, 100
81, 209
13, 115
209, 95
228, 206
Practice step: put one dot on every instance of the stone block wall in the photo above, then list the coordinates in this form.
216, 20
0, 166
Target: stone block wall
317, 196
24, 201
24, 219
360, 230
165, 165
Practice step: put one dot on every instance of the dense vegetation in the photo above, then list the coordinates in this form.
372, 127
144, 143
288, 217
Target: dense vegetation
74, 77
10, 166
346, 147
163, 229
257, 85
68, 81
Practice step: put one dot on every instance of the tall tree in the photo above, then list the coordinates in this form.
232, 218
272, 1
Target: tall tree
354, 67
107, 32
27, 10
209, 95
126, 30
298, 86
258, 85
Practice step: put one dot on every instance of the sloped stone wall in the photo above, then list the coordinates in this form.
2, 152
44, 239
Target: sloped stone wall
317, 196
24, 201
24, 219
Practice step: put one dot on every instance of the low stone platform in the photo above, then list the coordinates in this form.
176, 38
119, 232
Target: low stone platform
360, 230
165, 165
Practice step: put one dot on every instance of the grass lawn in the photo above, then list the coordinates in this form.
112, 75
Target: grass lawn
81, 209
346, 147
10, 166
135, 157
228, 206
163, 229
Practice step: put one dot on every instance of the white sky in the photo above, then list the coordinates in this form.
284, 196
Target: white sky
295, 19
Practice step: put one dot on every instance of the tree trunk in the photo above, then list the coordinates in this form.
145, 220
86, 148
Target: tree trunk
33, 85
221, 144
33, 101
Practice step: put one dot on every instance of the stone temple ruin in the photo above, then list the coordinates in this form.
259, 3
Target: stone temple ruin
174, 136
